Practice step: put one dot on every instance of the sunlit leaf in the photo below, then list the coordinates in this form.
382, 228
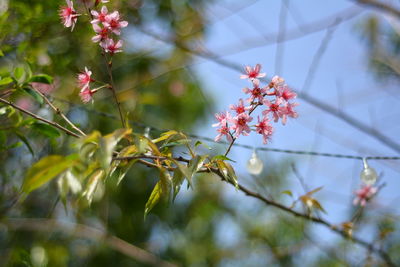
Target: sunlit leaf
287, 192
33, 94
45, 170
165, 136
177, 181
6, 80
153, 199
18, 73
92, 184
227, 172
221, 157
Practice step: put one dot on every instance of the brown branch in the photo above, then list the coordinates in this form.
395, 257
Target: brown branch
112, 88
39, 118
59, 112
269, 202
84, 231
381, 6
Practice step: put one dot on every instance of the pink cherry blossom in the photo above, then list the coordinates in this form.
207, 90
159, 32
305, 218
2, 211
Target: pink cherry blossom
284, 92
276, 81
256, 92
102, 33
364, 194
84, 79
222, 118
110, 47
114, 24
68, 15
239, 124
223, 131
275, 109
252, 73
265, 128
99, 17
86, 95
240, 108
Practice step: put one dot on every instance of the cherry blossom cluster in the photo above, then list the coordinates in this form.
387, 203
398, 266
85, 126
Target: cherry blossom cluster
274, 98
364, 194
105, 25
84, 80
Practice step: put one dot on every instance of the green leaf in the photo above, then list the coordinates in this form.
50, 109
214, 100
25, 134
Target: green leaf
185, 171
45, 170
154, 198
25, 141
18, 73
34, 94
221, 157
287, 192
6, 80
1, 53
177, 181
176, 143
46, 129
107, 145
227, 172
41, 78
314, 190
165, 136
196, 163
92, 183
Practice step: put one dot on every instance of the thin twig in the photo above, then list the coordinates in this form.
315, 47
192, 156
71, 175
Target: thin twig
112, 87
39, 118
85, 231
381, 6
59, 112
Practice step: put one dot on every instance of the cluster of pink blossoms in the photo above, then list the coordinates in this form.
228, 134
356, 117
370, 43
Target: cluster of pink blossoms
104, 25
278, 108
364, 194
84, 80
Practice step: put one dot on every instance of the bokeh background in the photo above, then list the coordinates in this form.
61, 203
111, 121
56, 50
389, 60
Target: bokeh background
341, 55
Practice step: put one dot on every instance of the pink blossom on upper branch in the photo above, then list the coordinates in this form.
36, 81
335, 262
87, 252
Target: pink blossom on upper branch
84, 79
222, 118
102, 33
364, 194
110, 47
275, 109
256, 93
68, 15
86, 95
114, 24
99, 17
252, 73
240, 108
239, 124
223, 131
265, 128
285, 93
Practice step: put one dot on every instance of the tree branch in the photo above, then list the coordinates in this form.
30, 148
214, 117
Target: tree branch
381, 6
59, 112
84, 231
39, 118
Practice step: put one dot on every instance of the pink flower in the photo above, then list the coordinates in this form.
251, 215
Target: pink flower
364, 194
84, 79
240, 124
223, 131
99, 17
86, 95
68, 15
222, 118
274, 108
114, 24
252, 73
102, 33
256, 92
265, 128
276, 81
240, 108
110, 47
284, 92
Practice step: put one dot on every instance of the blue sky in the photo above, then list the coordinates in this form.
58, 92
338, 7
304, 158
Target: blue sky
342, 79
